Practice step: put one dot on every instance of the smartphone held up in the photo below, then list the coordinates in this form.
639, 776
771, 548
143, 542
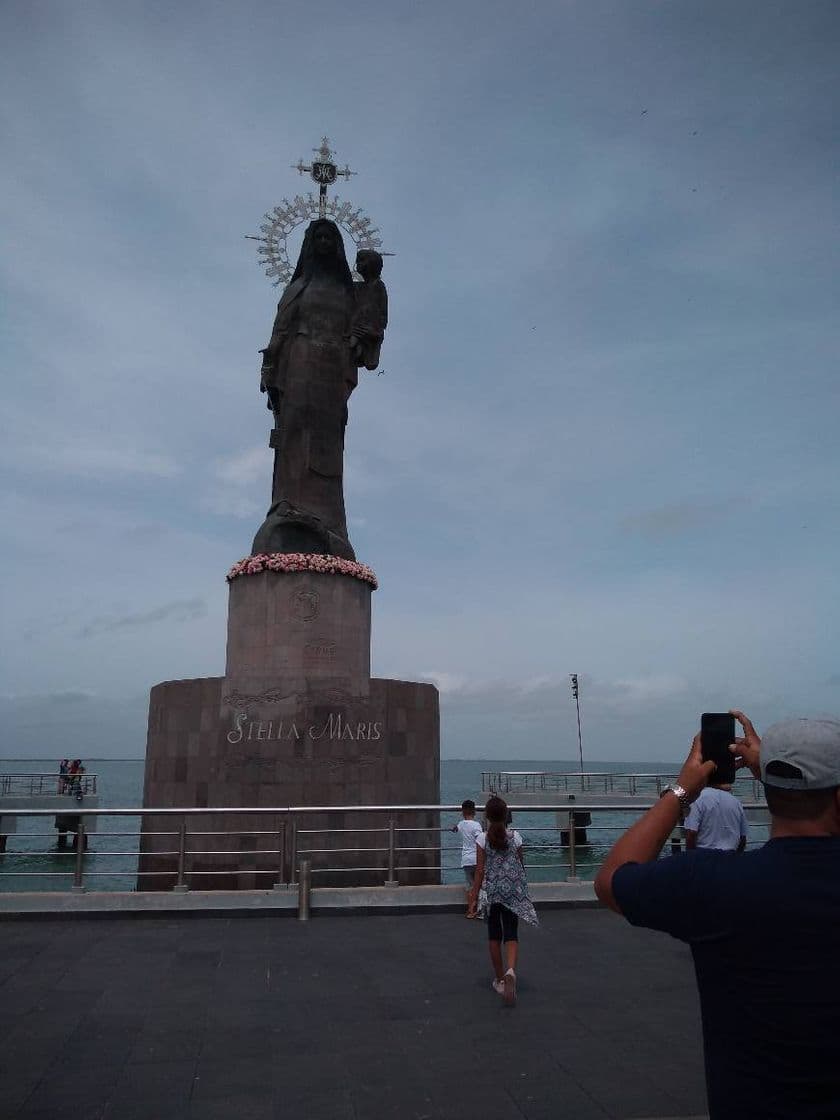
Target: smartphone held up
717, 732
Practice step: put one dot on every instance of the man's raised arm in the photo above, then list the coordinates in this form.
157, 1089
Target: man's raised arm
643, 841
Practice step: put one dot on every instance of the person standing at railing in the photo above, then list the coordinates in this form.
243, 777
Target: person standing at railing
63, 768
500, 871
469, 829
75, 778
716, 820
762, 928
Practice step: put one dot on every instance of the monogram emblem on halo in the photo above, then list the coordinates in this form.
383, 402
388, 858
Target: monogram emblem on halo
323, 172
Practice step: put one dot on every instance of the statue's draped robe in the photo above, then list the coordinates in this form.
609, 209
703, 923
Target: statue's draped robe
309, 374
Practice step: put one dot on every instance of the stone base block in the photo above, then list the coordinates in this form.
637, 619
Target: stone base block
314, 745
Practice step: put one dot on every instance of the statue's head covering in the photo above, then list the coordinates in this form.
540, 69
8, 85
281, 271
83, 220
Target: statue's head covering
310, 262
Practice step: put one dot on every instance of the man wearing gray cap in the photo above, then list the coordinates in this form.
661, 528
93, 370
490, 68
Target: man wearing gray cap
763, 928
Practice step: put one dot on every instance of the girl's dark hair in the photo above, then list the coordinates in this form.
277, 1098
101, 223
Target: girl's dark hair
496, 812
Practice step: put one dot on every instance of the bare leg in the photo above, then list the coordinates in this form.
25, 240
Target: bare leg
512, 952
471, 911
496, 958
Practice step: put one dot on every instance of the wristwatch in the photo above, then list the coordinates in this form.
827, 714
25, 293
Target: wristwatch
681, 795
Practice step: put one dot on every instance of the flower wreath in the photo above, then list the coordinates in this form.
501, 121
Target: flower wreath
302, 562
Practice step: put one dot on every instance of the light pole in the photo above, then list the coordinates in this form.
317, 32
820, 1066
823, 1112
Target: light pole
573, 677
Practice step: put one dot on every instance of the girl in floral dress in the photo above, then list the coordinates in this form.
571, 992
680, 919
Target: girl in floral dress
501, 891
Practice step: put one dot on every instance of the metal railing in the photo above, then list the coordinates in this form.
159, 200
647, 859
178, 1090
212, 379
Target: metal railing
390, 853
47, 785
601, 782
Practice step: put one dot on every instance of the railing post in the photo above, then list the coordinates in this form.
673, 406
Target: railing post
572, 877
181, 882
304, 889
292, 851
281, 880
392, 881
80, 858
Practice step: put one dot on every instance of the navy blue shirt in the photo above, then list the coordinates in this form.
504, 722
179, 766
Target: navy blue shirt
764, 929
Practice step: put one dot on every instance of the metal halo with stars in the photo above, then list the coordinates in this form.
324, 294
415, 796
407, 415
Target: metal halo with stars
279, 222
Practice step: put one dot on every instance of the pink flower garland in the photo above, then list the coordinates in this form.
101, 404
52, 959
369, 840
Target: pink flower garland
302, 562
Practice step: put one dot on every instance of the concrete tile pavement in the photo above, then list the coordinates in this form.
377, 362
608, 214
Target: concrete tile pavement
347, 1016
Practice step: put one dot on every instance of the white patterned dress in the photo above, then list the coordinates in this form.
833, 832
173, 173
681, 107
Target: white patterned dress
505, 881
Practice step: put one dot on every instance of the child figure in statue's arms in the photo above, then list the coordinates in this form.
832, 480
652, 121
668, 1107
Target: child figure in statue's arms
371, 316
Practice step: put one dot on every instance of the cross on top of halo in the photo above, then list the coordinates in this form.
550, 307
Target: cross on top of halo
324, 171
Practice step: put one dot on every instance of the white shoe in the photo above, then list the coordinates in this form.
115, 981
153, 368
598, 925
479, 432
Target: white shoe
499, 987
509, 987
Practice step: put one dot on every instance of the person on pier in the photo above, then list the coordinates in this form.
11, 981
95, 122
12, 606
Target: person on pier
469, 830
716, 820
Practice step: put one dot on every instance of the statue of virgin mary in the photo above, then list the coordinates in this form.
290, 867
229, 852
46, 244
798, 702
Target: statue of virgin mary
309, 371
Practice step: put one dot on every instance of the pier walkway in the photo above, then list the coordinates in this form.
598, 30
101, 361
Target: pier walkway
346, 1017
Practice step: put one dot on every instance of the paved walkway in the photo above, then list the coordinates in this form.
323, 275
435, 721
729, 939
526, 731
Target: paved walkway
343, 1018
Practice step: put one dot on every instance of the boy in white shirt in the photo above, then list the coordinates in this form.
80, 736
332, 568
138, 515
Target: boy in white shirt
469, 828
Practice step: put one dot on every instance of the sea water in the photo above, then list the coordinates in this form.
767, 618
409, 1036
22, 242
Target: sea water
111, 861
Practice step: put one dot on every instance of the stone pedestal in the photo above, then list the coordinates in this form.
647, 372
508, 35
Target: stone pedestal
307, 629
295, 721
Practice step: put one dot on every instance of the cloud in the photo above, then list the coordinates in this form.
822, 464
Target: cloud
88, 458
184, 610
229, 502
634, 693
242, 486
62, 697
680, 517
550, 692
245, 467
444, 682
644, 719
91, 725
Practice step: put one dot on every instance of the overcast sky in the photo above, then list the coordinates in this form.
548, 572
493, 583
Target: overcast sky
606, 438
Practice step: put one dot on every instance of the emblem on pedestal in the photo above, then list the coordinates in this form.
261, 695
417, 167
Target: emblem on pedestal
304, 605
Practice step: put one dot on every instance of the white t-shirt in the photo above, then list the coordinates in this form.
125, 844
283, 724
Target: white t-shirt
718, 818
513, 837
470, 830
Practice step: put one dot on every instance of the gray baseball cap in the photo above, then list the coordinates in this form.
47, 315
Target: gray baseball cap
801, 754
